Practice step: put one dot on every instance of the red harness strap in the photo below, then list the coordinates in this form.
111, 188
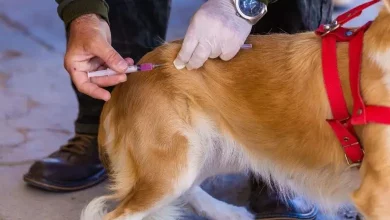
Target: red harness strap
342, 122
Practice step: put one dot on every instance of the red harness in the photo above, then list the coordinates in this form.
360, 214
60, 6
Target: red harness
343, 122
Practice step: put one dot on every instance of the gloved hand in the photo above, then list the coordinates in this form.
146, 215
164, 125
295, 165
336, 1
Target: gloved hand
214, 31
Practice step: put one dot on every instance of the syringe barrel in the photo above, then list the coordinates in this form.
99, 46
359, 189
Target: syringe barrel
109, 72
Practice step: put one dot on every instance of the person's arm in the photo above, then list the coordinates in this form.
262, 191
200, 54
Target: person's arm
68, 10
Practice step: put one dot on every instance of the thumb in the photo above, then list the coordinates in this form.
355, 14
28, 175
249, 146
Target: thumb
110, 56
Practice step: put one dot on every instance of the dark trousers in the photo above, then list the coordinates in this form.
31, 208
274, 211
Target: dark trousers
138, 26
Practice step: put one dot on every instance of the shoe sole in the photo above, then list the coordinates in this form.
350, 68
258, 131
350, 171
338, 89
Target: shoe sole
54, 187
285, 218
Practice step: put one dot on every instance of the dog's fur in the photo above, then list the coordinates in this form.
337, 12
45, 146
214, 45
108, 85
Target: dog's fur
164, 131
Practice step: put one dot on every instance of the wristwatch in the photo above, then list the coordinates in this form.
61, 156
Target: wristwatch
252, 10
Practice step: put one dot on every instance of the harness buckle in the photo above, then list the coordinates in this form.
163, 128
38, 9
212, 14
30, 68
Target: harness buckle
330, 27
344, 121
352, 164
353, 152
349, 162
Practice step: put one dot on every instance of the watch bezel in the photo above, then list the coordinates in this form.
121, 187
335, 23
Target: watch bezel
251, 19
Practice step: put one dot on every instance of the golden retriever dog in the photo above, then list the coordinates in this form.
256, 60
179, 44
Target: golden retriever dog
165, 131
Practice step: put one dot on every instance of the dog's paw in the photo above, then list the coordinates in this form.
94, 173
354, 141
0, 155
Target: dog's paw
224, 211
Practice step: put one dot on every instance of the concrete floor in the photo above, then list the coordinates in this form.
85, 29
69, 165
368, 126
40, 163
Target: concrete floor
38, 107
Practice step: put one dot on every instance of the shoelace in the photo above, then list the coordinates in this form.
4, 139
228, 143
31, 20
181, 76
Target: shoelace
78, 144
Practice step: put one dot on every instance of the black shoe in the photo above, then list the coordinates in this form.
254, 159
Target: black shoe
266, 205
75, 166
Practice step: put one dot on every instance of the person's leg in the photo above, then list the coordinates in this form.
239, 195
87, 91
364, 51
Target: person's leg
137, 26
294, 16
286, 16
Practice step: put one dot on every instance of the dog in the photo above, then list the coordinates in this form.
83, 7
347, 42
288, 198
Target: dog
165, 131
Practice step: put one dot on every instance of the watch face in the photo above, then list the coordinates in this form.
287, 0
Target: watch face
251, 8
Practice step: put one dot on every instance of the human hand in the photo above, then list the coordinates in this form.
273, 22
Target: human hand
214, 31
89, 49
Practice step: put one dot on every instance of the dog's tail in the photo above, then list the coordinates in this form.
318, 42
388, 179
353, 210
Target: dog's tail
97, 209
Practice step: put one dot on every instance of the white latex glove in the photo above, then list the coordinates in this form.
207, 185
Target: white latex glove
214, 31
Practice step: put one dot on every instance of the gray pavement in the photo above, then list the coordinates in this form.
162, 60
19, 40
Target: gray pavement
38, 108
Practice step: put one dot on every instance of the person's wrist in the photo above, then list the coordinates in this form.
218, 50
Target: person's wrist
81, 22
77, 8
86, 27
84, 19
226, 7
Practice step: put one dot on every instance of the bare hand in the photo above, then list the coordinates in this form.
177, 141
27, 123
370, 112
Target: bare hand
89, 49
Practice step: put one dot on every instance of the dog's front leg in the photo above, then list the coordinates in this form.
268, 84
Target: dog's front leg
372, 198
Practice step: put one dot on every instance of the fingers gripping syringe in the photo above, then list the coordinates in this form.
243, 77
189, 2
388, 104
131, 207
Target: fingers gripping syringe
139, 67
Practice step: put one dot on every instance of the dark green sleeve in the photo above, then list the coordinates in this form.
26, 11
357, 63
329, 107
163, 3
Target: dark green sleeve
68, 10
267, 2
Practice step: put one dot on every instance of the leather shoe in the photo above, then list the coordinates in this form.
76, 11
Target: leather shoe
74, 166
266, 204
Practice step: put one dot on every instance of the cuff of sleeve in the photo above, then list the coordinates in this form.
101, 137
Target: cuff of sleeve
77, 8
267, 2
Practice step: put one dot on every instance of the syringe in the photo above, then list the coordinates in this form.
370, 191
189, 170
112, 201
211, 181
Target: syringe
130, 69
139, 67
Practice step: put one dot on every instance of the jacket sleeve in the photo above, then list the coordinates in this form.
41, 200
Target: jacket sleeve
68, 10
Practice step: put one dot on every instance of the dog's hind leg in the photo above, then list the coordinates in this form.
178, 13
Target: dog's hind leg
164, 174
